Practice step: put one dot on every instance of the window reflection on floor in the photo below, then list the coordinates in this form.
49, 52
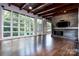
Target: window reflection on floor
24, 46
6, 48
49, 42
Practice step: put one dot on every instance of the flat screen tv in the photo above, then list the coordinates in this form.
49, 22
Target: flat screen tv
63, 24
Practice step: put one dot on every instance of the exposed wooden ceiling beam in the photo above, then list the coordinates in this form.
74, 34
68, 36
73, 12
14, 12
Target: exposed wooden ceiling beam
52, 9
24, 6
70, 7
48, 14
61, 10
39, 7
70, 11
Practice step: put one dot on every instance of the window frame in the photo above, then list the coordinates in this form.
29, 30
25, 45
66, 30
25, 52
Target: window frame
11, 27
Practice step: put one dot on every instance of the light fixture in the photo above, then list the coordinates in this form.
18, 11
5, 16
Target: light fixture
65, 11
30, 7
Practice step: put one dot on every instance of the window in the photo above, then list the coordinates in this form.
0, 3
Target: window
6, 23
39, 26
6, 29
7, 34
29, 25
48, 26
22, 20
15, 24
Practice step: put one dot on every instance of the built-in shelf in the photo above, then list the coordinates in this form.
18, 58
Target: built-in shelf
67, 28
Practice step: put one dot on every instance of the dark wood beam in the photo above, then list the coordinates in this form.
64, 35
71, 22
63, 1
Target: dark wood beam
48, 14
61, 10
47, 7
67, 11
52, 9
23, 6
39, 7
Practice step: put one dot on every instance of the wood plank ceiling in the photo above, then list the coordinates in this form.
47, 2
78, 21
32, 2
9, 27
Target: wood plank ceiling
47, 10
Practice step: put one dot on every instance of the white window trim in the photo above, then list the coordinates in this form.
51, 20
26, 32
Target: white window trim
19, 28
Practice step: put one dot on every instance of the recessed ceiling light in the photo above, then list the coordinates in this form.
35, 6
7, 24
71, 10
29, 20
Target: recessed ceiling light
30, 7
65, 11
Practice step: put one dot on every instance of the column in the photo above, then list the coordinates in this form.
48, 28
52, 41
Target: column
78, 23
78, 34
0, 28
35, 33
44, 34
78, 28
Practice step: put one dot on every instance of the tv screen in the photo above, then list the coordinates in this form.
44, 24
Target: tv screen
63, 24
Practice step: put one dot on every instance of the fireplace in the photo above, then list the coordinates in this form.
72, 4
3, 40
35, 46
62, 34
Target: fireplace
59, 33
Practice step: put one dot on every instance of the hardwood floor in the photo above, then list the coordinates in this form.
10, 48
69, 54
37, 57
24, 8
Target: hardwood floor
54, 47
62, 47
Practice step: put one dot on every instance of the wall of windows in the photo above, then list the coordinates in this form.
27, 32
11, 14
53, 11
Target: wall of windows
15, 24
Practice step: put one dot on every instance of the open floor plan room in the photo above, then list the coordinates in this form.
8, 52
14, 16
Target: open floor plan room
39, 29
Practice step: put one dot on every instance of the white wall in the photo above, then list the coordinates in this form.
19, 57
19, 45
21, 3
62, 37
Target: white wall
0, 23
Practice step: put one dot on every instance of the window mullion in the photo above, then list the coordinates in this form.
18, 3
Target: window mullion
2, 12
11, 24
24, 26
19, 25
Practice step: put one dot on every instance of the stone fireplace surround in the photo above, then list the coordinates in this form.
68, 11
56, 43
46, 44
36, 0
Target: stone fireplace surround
70, 32
67, 33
